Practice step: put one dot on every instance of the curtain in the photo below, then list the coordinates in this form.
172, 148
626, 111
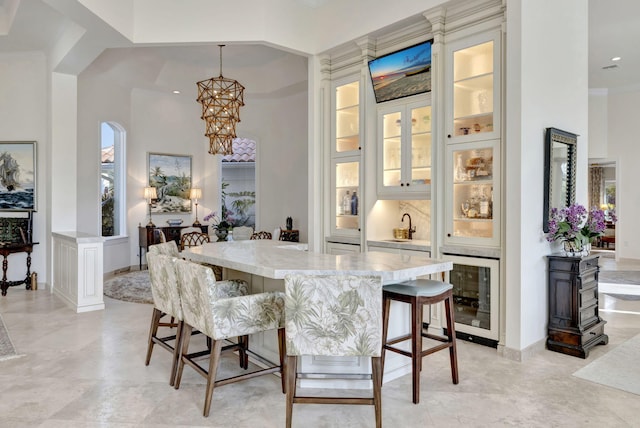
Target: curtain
595, 187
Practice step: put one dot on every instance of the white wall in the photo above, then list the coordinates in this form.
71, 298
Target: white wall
162, 122
622, 135
598, 123
24, 116
546, 87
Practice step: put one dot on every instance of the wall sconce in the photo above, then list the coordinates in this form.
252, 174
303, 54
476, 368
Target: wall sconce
150, 194
194, 195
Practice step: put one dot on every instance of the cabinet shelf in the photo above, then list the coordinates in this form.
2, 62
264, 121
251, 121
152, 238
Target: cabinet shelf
474, 116
474, 219
479, 81
474, 181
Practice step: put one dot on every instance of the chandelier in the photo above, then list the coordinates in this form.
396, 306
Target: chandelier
221, 100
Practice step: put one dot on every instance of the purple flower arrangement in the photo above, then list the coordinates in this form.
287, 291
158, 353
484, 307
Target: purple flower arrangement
575, 223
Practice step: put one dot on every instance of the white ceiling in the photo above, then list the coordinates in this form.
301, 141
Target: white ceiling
614, 28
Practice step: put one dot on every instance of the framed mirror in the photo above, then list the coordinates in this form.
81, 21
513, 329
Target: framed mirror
559, 171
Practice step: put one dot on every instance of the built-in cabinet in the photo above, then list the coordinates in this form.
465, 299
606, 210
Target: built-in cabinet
473, 88
346, 162
472, 183
472, 172
404, 149
462, 130
473, 188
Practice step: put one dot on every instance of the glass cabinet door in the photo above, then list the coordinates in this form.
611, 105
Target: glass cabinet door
392, 149
474, 193
404, 150
347, 120
475, 295
347, 196
420, 153
473, 91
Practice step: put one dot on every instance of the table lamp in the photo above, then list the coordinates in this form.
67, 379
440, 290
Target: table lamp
195, 195
150, 194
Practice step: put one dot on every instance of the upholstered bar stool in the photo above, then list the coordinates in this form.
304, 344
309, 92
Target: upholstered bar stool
207, 306
418, 293
333, 315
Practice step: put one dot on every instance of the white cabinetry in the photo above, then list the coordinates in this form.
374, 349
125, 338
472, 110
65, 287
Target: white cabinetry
472, 156
404, 149
346, 161
472, 188
473, 88
337, 249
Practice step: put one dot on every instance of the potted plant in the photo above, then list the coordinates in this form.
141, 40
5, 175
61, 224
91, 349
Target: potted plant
577, 228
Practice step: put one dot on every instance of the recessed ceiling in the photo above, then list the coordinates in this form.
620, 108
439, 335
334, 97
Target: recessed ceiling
614, 27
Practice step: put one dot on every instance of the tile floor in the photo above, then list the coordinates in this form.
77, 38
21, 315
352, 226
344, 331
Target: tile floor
87, 370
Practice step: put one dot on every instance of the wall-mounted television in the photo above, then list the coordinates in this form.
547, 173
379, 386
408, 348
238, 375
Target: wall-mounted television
402, 73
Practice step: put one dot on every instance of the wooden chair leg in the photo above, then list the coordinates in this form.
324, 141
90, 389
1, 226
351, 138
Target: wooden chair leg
153, 331
184, 350
282, 353
416, 347
453, 353
243, 356
386, 304
376, 372
290, 372
176, 353
211, 378
246, 355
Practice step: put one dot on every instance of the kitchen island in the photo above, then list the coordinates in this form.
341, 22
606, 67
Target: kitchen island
264, 264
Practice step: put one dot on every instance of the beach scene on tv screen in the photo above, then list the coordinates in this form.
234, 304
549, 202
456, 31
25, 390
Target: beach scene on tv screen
403, 73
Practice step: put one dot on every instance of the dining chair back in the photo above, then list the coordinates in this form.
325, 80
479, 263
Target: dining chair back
333, 315
193, 239
261, 235
242, 233
166, 248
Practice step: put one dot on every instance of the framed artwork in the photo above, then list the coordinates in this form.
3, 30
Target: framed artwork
18, 176
171, 176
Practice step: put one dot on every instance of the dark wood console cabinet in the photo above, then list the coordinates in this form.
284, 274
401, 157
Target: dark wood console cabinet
149, 236
574, 324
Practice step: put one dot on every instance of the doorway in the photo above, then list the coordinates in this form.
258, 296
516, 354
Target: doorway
602, 194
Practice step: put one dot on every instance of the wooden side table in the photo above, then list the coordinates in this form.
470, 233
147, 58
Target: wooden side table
146, 236
10, 248
574, 324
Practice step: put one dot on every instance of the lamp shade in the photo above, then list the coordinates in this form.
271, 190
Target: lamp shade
150, 193
195, 193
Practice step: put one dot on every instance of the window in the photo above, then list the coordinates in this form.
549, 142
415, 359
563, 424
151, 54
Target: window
239, 183
112, 179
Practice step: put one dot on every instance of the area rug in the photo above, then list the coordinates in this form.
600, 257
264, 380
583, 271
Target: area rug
130, 287
617, 368
7, 350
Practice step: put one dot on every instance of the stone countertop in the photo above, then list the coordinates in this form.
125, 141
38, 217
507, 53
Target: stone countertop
408, 244
275, 259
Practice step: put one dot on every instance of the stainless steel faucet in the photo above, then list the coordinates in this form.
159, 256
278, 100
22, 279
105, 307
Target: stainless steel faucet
411, 230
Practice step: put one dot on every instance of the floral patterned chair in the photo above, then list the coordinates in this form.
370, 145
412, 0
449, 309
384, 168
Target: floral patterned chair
166, 301
167, 248
207, 307
333, 316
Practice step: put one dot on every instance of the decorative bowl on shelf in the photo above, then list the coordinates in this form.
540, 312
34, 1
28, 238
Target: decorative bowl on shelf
174, 222
401, 233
